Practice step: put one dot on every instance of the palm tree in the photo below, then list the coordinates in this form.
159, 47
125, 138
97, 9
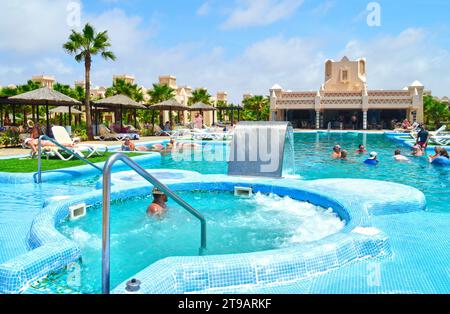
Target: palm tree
84, 46
200, 95
435, 110
13, 91
158, 94
120, 87
256, 108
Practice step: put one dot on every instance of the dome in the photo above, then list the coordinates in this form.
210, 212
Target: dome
277, 87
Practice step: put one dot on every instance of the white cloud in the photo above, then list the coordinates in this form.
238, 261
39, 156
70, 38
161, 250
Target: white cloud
324, 7
52, 66
204, 9
126, 32
262, 12
32, 26
394, 61
295, 63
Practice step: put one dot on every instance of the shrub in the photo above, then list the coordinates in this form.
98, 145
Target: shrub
10, 138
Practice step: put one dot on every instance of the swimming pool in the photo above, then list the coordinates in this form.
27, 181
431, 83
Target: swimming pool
425, 231
312, 159
235, 225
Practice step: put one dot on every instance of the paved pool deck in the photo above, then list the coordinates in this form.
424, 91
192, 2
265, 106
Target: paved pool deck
12, 152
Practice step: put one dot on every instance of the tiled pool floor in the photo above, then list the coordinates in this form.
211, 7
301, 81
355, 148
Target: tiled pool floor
20, 205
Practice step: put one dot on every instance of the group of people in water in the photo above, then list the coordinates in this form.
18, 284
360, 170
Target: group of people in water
417, 151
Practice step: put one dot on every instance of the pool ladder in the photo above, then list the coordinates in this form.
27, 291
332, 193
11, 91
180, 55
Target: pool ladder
67, 150
106, 210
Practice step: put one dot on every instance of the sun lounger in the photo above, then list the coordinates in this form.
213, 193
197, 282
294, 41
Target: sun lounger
106, 134
62, 136
432, 134
51, 151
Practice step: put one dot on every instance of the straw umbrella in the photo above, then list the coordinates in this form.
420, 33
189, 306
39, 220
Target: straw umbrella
44, 96
171, 104
119, 101
203, 107
62, 110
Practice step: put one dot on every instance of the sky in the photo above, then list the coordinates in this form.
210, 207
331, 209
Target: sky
237, 46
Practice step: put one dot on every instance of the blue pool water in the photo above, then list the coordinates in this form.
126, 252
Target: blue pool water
313, 161
235, 225
313, 151
21, 203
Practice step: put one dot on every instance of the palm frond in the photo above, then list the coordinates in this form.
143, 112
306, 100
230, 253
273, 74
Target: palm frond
108, 55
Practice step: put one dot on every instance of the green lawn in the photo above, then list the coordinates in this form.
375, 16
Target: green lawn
30, 165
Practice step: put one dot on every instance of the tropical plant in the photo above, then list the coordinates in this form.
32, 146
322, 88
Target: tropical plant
158, 94
120, 87
200, 95
84, 45
20, 89
10, 138
80, 133
256, 108
435, 111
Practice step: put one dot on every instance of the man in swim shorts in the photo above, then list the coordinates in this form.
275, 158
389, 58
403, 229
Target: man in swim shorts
423, 137
158, 207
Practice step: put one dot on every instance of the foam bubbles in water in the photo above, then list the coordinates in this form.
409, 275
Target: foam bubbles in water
85, 239
307, 222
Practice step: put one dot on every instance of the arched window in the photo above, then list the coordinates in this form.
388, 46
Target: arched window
328, 69
362, 67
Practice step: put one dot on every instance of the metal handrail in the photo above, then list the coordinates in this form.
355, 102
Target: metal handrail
106, 210
67, 150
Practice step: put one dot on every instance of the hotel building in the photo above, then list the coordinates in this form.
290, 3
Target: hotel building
343, 95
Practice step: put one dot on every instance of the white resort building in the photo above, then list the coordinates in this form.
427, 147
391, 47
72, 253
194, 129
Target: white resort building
344, 95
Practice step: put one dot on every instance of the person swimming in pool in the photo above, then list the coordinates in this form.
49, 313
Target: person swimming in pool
336, 152
361, 149
344, 155
158, 207
372, 160
437, 150
399, 157
417, 151
128, 145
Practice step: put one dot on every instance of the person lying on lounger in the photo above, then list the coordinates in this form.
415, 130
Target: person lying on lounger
33, 141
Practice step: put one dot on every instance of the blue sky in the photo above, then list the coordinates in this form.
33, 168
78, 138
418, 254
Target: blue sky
236, 46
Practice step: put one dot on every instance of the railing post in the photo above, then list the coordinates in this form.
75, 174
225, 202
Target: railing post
107, 169
71, 152
106, 264
39, 160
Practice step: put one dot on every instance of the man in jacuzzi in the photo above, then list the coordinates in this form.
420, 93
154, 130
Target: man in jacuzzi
158, 207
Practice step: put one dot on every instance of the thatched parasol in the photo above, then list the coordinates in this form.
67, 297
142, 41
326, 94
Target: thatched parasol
119, 101
44, 96
171, 104
201, 107
65, 110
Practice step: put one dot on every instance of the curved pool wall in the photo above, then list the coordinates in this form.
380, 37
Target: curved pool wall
52, 252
